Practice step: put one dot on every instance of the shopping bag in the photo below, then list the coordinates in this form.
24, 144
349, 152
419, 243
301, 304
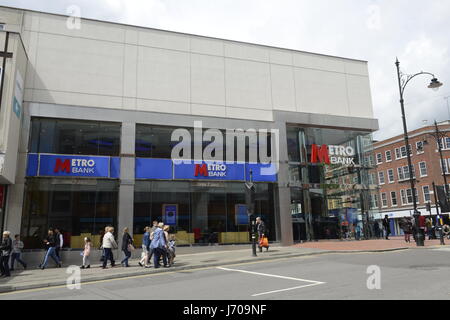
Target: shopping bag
264, 242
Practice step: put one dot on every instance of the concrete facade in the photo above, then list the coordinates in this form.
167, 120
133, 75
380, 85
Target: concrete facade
112, 72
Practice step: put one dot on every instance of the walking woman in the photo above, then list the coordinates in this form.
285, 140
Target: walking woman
127, 246
158, 245
145, 248
5, 252
50, 243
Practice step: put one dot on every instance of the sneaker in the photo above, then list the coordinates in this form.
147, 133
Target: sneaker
25, 267
140, 264
82, 267
88, 266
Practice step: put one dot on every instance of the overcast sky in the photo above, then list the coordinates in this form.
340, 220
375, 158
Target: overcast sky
416, 31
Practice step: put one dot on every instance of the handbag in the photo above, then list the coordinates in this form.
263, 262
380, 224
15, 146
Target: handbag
130, 247
264, 242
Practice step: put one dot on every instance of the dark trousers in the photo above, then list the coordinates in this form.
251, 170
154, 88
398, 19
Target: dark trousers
14, 257
4, 266
127, 256
108, 256
158, 252
57, 253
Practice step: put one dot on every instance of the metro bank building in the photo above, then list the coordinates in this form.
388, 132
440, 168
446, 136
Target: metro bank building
88, 115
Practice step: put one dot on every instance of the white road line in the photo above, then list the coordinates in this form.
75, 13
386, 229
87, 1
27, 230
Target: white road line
293, 288
270, 275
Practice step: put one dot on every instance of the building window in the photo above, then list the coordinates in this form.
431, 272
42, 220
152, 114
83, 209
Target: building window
371, 178
373, 201
393, 198
419, 147
426, 193
423, 169
381, 177
444, 162
77, 137
400, 153
445, 143
384, 202
403, 173
379, 158
407, 197
388, 156
391, 177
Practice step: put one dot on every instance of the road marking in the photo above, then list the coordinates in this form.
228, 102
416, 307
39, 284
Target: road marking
288, 289
269, 275
312, 282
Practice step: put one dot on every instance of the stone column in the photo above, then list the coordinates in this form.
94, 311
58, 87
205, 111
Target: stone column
126, 189
283, 190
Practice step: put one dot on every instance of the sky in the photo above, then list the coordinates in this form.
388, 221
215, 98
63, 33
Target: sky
378, 31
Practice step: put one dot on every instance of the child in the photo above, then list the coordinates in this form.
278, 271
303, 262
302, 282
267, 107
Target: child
171, 249
86, 254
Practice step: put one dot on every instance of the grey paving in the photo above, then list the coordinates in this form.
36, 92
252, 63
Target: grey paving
405, 275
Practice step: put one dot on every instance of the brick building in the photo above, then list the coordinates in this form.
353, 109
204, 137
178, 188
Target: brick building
392, 173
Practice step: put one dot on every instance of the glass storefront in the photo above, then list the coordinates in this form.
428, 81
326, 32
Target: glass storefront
61, 136
78, 207
206, 212
329, 179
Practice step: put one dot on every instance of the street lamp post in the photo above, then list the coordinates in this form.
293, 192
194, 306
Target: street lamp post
438, 216
403, 80
249, 201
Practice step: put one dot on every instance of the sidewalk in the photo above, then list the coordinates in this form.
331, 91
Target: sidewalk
193, 258
394, 243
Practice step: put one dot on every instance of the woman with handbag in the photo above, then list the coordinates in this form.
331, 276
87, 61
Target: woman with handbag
262, 239
127, 247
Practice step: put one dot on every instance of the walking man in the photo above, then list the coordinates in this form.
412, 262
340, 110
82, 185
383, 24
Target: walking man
5, 252
50, 243
108, 245
17, 247
387, 226
59, 243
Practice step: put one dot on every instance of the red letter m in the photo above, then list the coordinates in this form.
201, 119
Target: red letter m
201, 169
62, 166
319, 154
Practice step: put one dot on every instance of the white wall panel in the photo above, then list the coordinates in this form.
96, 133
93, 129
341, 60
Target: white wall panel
207, 79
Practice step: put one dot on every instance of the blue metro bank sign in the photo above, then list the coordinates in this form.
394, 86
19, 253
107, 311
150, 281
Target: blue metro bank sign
74, 166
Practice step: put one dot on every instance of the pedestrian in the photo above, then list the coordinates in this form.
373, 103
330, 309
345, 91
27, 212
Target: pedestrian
152, 230
158, 245
261, 229
50, 243
376, 229
166, 239
406, 226
171, 249
422, 226
387, 226
145, 248
127, 247
5, 251
429, 228
357, 232
86, 254
108, 245
59, 243
17, 252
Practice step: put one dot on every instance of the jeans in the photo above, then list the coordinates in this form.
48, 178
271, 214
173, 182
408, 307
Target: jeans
158, 252
127, 256
108, 256
4, 267
51, 253
16, 256
86, 261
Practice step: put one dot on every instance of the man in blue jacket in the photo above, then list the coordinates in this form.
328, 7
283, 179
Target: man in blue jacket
158, 245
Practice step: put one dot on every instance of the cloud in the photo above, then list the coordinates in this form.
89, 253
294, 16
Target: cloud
378, 31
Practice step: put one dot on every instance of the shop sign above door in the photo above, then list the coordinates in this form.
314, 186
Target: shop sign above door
344, 155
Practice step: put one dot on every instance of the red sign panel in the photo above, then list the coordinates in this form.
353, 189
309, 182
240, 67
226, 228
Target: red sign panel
320, 154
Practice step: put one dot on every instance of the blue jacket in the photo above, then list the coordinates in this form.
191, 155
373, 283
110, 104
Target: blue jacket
159, 240
146, 240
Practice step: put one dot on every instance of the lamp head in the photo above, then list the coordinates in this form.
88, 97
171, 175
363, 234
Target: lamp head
435, 84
